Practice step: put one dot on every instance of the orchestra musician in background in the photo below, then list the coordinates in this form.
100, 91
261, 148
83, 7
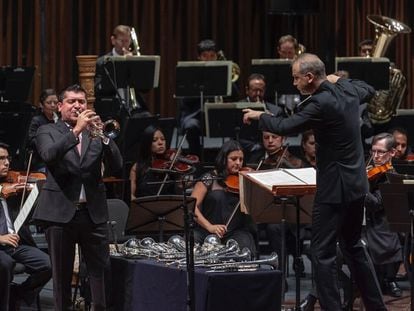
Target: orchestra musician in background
402, 150
48, 104
72, 205
17, 247
288, 48
153, 147
216, 200
104, 89
248, 135
383, 244
189, 108
366, 47
308, 149
332, 112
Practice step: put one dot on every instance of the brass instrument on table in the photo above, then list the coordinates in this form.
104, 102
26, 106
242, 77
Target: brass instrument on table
235, 68
386, 102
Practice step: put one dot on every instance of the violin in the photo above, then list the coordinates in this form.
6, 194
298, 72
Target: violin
17, 177
232, 181
182, 164
377, 171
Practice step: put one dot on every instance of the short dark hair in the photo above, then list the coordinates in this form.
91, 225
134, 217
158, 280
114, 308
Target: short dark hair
206, 45
366, 42
399, 130
389, 140
76, 88
255, 76
305, 136
45, 94
4, 146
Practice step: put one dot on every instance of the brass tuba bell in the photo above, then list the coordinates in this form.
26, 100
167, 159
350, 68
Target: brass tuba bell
386, 102
386, 29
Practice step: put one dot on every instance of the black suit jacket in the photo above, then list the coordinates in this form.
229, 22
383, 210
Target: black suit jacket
67, 171
332, 112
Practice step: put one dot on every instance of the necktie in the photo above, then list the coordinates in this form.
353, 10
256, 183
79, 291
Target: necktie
79, 146
3, 221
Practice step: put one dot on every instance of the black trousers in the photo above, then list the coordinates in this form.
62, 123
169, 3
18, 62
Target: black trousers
37, 265
93, 242
343, 223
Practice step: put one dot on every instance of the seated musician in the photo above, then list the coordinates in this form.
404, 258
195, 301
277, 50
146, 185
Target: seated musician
48, 105
153, 147
383, 245
215, 201
275, 155
402, 150
106, 92
17, 247
308, 149
249, 134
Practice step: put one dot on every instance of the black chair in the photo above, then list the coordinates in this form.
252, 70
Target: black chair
118, 213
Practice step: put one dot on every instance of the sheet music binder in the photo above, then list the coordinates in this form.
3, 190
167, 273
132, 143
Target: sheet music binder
278, 75
223, 119
213, 78
140, 72
258, 198
373, 70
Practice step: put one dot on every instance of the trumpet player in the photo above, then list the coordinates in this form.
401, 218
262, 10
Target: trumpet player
72, 205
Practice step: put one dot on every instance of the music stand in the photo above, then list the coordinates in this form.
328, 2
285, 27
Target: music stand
157, 214
403, 167
373, 70
278, 75
203, 79
402, 196
226, 119
15, 83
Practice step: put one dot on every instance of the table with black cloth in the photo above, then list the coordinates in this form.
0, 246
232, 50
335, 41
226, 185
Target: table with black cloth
147, 285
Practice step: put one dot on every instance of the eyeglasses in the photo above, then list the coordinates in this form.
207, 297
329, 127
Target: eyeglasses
379, 153
4, 158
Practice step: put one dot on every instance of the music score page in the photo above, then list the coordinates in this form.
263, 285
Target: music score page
285, 177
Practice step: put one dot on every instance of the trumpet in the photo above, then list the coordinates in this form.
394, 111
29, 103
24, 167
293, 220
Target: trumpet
110, 129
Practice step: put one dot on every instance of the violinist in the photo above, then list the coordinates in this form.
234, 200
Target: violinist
17, 247
308, 149
153, 147
215, 202
48, 105
402, 150
383, 245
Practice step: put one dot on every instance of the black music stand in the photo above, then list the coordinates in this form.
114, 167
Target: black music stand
278, 75
15, 83
126, 72
226, 119
157, 214
403, 167
203, 79
373, 70
398, 202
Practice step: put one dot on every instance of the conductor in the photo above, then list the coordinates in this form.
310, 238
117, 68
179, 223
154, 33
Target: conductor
331, 110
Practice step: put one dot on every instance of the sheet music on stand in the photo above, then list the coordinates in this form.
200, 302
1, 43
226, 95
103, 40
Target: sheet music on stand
259, 189
27, 207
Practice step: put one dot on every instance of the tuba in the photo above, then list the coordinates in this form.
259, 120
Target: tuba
386, 102
235, 68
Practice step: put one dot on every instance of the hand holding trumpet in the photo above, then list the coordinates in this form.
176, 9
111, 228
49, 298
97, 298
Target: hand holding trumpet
86, 119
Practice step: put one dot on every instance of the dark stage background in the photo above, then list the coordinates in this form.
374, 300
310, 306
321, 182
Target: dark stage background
48, 34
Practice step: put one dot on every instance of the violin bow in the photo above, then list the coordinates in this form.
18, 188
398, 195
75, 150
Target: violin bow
282, 156
238, 203
172, 163
27, 177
